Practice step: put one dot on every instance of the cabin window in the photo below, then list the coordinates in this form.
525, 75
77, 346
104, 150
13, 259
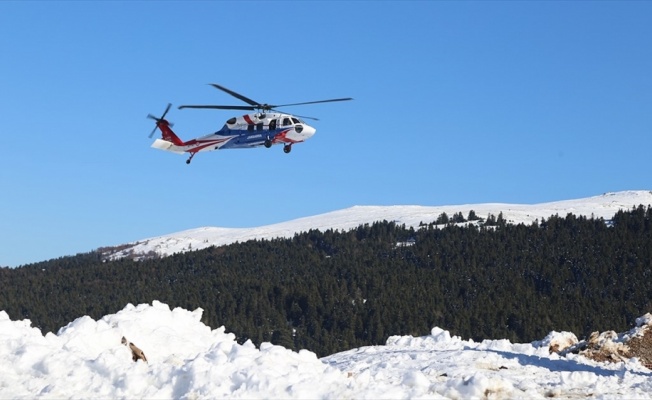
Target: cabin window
287, 121
272, 125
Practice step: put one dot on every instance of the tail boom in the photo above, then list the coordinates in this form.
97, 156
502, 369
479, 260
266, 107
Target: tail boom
191, 146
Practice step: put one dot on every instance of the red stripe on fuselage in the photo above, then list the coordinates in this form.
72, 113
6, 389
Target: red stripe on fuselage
202, 144
248, 120
281, 138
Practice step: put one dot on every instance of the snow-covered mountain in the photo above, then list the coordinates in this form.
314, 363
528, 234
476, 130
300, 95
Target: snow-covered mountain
602, 206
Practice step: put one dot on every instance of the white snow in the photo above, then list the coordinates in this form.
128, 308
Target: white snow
603, 206
188, 360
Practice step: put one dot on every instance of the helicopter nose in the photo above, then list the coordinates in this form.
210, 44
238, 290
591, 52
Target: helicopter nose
308, 131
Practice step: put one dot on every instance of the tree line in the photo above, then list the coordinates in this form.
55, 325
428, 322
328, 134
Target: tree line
334, 290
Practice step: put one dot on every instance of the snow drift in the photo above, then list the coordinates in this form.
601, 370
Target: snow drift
188, 360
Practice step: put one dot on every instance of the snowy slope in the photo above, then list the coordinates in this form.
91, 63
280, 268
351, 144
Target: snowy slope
603, 206
188, 360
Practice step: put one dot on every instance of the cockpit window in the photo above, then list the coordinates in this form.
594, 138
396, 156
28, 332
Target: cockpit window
286, 121
296, 121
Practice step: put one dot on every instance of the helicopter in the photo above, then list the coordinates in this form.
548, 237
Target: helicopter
266, 126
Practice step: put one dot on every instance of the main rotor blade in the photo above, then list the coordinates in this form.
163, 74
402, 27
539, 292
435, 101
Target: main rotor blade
304, 117
312, 102
246, 108
296, 115
236, 95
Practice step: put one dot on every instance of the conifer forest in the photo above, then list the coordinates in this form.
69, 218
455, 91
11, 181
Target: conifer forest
332, 291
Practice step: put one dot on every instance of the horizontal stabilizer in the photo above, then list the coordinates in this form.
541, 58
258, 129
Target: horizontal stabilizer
167, 146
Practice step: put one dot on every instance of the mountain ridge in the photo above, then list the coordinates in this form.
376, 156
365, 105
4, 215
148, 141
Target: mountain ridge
601, 206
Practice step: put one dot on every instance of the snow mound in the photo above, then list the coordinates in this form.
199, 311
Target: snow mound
557, 341
185, 359
188, 360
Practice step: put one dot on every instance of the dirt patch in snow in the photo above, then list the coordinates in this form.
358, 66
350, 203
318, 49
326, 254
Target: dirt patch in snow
641, 347
613, 347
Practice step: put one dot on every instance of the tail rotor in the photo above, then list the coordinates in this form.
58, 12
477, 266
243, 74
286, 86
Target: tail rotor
160, 119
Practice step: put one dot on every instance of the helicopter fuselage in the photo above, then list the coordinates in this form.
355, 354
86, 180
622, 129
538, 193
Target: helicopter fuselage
245, 132
261, 129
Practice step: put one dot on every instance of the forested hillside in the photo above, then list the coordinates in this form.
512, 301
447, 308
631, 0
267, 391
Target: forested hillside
331, 291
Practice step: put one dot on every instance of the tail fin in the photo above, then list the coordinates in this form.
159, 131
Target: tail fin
167, 133
164, 126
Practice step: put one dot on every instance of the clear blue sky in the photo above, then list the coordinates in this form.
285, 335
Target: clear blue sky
455, 103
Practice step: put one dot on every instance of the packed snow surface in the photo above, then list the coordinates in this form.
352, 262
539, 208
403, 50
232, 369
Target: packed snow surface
603, 206
188, 360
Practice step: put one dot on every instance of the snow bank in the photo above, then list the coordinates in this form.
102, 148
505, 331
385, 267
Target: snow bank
188, 360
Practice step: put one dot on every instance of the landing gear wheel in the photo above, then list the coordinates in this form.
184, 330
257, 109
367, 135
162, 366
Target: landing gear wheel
287, 148
190, 158
268, 143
